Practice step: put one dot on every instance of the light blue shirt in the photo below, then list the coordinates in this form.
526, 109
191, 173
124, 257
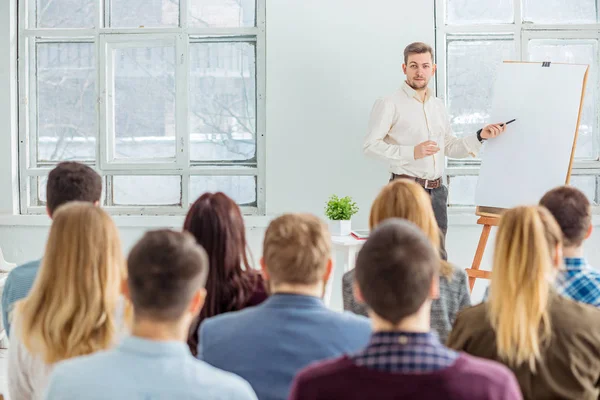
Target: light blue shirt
140, 369
17, 287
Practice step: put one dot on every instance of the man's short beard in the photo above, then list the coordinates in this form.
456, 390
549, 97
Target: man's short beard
412, 85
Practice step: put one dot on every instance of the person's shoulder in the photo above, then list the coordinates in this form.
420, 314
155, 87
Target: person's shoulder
474, 317
231, 321
223, 380
570, 315
484, 371
350, 319
324, 370
83, 369
24, 271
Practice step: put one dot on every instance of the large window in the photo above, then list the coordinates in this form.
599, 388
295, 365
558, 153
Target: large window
164, 98
474, 36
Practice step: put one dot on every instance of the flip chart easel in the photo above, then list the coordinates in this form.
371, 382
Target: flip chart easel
490, 216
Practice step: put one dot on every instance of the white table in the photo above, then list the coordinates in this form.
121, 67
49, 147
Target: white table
344, 252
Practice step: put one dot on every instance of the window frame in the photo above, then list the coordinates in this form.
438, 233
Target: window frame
522, 32
103, 38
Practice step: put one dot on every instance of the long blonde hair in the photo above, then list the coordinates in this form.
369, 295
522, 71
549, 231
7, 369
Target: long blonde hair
70, 310
404, 198
522, 269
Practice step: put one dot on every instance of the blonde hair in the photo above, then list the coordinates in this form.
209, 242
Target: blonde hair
296, 249
70, 310
406, 199
520, 287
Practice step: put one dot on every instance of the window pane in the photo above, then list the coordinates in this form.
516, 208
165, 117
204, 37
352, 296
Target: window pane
144, 102
65, 13
480, 12
222, 101
146, 190
461, 190
144, 13
578, 52
559, 11
66, 100
222, 13
471, 73
587, 184
242, 189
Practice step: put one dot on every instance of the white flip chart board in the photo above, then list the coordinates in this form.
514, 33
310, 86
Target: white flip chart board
535, 153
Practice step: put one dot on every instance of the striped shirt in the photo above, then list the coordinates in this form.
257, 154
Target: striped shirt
17, 286
405, 352
579, 282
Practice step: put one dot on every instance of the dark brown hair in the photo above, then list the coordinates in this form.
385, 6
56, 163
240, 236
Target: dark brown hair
165, 269
296, 249
72, 181
395, 269
216, 222
417, 48
573, 212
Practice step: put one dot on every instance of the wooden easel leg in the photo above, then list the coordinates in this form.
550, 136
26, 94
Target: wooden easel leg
485, 234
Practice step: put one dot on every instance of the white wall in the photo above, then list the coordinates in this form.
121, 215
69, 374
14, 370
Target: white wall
327, 61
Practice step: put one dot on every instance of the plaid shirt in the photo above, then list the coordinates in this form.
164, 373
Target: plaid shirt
579, 281
405, 352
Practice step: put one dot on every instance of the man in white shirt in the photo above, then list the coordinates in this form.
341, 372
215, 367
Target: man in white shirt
411, 130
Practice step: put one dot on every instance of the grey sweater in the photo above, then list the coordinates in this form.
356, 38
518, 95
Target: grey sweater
454, 296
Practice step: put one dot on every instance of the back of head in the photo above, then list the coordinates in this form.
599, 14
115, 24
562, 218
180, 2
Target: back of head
406, 199
296, 249
165, 270
72, 181
70, 309
395, 269
521, 279
573, 212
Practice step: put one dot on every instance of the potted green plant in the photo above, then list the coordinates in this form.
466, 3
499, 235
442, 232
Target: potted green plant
340, 211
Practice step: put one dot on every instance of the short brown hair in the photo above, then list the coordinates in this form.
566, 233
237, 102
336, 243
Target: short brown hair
165, 269
395, 269
296, 249
72, 181
417, 48
573, 212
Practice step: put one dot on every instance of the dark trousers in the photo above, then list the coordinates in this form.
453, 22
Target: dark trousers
439, 202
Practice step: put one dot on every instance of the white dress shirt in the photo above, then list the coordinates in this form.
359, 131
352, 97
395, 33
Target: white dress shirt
401, 121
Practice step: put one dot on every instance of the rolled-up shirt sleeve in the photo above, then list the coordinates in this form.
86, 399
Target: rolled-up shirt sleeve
467, 146
380, 123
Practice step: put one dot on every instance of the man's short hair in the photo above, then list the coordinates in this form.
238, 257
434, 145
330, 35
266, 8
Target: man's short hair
417, 48
165, 269
296, 249
395, 269
573, 212
72, 181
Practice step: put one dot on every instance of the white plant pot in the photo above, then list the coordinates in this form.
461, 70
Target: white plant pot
340, 228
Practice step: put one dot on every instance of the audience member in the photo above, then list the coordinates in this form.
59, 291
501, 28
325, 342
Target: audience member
166, 276
217, 224
406, 199
69, 181
72, 307
270, 343
551, 343
396, 274
573, 212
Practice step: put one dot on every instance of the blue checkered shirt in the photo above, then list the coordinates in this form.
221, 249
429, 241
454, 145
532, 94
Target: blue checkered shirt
579, 281
405, 352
